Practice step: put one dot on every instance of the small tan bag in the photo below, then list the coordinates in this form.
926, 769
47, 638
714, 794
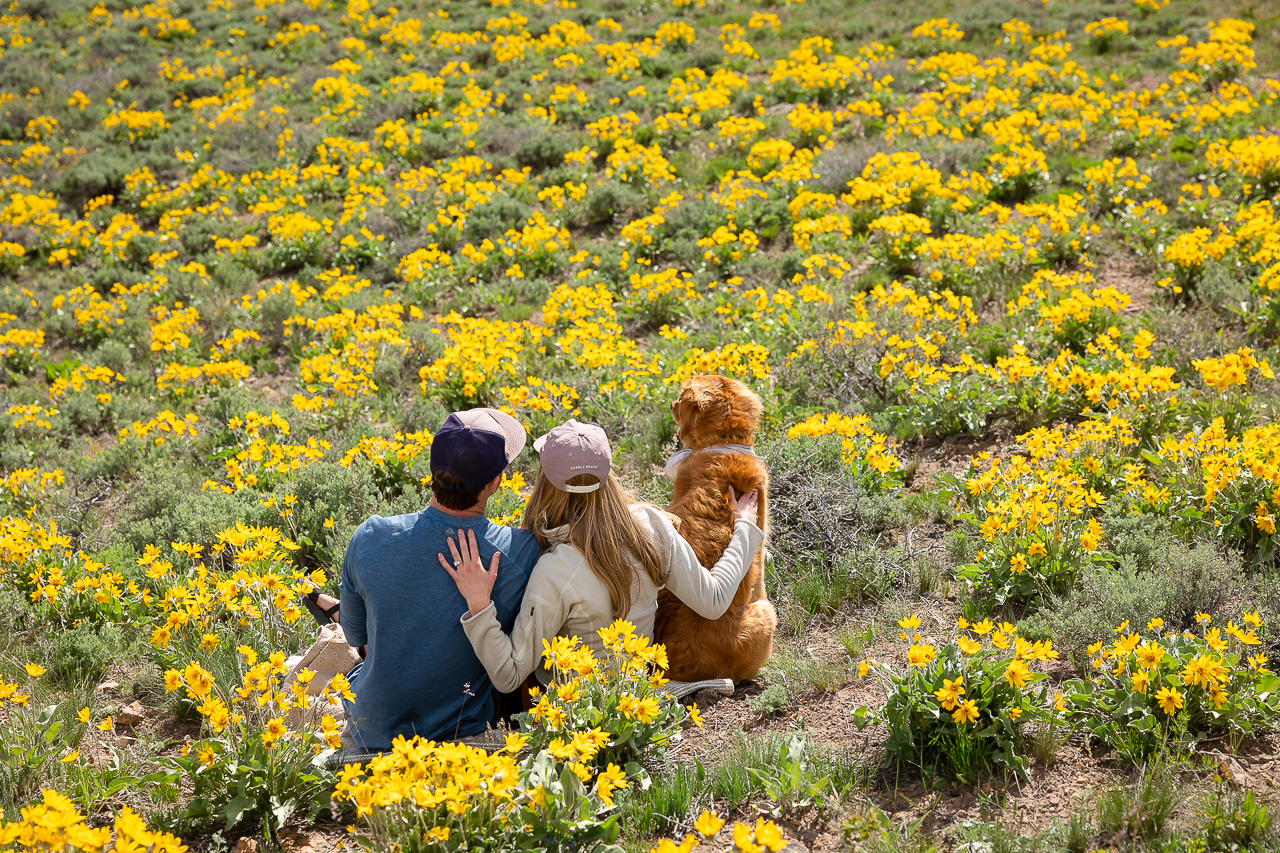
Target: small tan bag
327, 657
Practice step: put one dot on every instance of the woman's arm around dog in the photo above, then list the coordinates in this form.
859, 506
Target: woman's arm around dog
708, 591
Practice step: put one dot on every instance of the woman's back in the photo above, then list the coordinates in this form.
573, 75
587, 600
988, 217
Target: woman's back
587, 607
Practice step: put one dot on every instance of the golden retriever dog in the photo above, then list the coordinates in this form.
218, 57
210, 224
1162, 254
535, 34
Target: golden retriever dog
717, 419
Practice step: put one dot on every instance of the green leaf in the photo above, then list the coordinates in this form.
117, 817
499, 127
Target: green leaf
282, 811
198, 808
162, 777
235, 809
117, 784
638, 773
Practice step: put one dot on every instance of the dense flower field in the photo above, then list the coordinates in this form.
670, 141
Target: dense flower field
253, 251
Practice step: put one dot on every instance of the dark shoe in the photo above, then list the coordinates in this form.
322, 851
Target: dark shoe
312, 602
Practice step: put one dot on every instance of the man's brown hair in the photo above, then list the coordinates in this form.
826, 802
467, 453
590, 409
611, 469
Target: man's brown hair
445, 485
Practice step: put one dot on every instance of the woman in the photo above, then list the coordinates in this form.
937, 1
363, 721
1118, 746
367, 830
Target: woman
604, 557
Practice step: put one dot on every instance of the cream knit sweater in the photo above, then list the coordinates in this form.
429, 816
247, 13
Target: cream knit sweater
564, 597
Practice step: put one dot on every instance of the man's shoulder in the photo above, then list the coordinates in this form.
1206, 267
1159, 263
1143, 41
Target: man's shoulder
520, 550
520, 538
376, 526
511, 538
379, 531
519, 547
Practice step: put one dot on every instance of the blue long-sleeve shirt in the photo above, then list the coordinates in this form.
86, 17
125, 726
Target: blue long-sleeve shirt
420, 675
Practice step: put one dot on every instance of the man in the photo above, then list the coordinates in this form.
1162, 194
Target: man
420, 675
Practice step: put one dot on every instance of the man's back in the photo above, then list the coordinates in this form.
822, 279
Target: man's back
421, 675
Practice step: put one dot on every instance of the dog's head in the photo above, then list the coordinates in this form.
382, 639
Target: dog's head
715, 410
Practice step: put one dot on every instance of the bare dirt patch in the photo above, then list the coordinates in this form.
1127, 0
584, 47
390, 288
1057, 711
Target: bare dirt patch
1120, 270
952, 456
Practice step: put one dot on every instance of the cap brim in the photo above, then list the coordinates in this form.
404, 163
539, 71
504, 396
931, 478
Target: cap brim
514, 436
540, 443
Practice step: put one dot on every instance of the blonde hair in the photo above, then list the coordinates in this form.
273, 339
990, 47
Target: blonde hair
601, 526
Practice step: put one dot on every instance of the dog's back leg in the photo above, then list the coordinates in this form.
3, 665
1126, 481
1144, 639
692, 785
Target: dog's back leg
759, 594
755, 640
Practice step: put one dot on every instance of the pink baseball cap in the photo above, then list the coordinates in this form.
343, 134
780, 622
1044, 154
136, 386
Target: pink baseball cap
572, 449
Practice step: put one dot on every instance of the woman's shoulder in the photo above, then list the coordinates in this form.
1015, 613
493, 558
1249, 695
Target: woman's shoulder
651, 513
562, 574
661, 526
559, 561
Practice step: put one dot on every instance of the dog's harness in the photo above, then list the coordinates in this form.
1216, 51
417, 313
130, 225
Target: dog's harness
677, 459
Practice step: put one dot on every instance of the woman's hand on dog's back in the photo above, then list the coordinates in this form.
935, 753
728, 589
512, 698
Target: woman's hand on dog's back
745, 507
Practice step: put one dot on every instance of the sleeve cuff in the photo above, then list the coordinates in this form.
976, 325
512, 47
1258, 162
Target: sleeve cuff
491, 610
753, 531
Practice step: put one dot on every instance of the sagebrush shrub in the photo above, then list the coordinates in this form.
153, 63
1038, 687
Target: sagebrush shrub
1181, 582
84, 652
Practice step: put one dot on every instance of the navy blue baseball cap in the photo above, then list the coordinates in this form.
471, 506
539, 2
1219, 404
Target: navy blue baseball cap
476, 445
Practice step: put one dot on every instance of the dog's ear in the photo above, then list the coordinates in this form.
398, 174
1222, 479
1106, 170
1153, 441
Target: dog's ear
677, 415
690, 407
746, 404
709, 393
685, 412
